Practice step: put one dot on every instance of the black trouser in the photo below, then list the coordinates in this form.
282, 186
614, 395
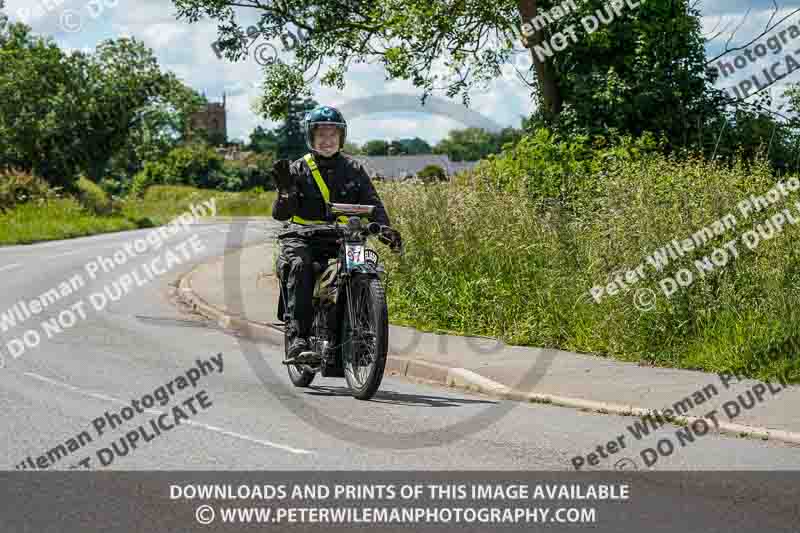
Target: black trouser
297, 279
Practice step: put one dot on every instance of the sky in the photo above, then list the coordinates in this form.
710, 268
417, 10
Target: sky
185, 48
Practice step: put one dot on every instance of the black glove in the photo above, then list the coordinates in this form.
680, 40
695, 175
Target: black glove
391, 237
282, 176
397, 245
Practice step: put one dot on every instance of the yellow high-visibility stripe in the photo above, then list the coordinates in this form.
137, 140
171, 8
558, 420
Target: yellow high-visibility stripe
326, 195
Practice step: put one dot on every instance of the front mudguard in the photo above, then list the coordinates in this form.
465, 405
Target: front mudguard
369, 269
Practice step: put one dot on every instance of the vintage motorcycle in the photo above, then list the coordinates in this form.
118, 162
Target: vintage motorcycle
350, 330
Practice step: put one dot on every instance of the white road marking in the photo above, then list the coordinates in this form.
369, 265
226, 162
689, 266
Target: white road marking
10, 267
92, 246
207, 427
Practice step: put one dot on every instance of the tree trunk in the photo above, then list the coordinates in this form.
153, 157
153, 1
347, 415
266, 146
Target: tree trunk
551, 95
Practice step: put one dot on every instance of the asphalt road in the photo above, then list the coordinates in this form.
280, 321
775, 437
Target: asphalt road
255, 420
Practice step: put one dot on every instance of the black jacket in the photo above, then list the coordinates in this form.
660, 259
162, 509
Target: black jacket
347, 181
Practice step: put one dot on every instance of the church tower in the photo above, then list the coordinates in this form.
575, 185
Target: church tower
213, 119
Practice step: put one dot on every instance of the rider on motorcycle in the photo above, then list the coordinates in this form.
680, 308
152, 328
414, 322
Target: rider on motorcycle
323, 175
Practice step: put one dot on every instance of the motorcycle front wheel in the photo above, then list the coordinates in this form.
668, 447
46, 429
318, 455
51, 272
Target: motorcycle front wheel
365, 336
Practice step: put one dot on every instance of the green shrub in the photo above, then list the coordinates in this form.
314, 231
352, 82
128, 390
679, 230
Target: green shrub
93, 197
20, 187
195, 165
432, 173
116, 186
152, 173
545, 165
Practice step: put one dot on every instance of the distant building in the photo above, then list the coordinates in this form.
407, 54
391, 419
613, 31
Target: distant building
234, 152
399, 167
213, 119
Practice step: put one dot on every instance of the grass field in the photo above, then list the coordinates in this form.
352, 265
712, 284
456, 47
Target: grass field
65, 218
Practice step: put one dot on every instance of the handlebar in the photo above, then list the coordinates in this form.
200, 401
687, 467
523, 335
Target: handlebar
335, 229
339, 230
322, 230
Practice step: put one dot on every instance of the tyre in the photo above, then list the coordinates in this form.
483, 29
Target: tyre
300, 375
365, 336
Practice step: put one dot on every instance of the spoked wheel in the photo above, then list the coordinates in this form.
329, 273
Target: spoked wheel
365, 337
301, 375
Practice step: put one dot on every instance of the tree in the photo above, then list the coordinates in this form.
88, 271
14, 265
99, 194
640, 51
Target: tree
161, 127
650, 56
124, 87
37, 126
415, 146
473, 144
263, 141
410, 37
291, 134
376, 147
352, 148
61, 115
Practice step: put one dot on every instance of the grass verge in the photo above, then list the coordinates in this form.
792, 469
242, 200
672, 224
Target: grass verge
482, 261
65, 218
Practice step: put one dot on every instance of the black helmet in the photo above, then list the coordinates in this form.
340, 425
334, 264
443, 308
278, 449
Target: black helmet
324, 115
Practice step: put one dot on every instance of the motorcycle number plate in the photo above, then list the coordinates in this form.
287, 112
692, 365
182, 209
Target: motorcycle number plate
355, 254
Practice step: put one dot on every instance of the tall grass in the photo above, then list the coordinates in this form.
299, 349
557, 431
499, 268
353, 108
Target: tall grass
480, 260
